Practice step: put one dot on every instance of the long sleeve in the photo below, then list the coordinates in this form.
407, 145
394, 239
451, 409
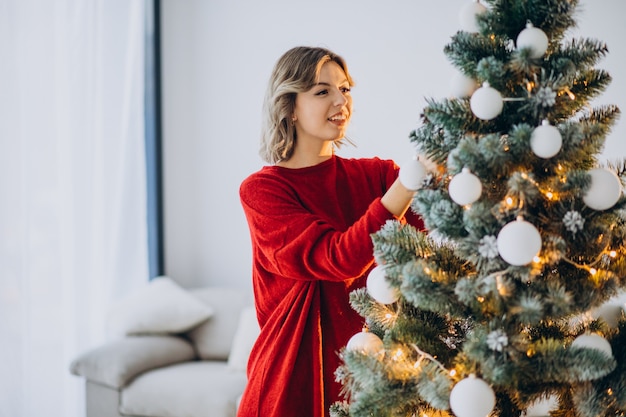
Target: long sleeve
293, 241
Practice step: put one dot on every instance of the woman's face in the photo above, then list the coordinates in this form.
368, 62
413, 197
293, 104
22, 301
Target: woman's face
322, 114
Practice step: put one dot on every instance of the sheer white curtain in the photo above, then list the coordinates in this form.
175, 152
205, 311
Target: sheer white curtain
72, 189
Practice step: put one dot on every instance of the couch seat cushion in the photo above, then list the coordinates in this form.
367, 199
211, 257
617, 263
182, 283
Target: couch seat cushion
191, 389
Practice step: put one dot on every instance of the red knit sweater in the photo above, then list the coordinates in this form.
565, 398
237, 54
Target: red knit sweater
311, 246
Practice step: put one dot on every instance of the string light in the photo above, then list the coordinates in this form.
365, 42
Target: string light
398, 354
571, 95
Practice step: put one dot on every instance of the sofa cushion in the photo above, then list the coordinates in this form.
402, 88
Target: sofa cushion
161, 306
245, 336
213, 339
192, 389
116, 363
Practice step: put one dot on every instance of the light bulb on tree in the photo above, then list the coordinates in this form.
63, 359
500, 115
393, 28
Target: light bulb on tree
467, 16
518, 242
604, 191
486, 102
412, 174
472, 397
465, 188
546, 140
365, 342
378, 287
534, 39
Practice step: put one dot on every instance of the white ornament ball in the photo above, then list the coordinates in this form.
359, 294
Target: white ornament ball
365, 342
412, 174
593, 341
604, 191
467, 16
465, 188
533, 38
546, 140
378, 287
519, 242
462, 86
542, 407
472, 397
486, 102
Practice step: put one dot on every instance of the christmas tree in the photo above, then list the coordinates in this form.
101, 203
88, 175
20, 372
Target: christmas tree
498, 306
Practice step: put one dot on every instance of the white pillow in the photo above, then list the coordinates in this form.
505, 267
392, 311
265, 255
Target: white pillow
245, 336
159, 307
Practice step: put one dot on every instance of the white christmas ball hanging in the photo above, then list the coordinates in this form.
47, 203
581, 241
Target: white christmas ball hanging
604, 191
472, 397
486, 102
378, 287
365, 342
465, 188
462, 86
518, 242
593, 341
546, 140
467, 16
542, 407
412, 174
533, 38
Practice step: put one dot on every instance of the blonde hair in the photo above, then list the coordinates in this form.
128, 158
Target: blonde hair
295, 72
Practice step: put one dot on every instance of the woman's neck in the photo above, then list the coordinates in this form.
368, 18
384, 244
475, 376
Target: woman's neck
307, 158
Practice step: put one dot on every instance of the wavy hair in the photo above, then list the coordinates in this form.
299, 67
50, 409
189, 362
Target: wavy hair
295, 72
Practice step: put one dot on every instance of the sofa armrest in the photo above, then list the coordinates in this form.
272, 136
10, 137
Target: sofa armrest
116, 363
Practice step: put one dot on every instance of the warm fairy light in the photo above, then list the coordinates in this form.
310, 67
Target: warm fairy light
529, 86
593, 271
571, 95
612, 254
509, 201
536, 259
388, 316
427, 270
549, 194
481, 299
453, 372
609, 391
398, 354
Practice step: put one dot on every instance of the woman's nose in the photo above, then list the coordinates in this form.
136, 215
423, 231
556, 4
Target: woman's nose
340, 98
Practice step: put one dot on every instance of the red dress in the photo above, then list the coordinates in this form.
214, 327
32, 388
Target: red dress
311, 246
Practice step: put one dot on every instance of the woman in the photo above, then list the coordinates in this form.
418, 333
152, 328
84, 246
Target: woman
311, 215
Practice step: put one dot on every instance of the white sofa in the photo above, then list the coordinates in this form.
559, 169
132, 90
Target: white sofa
198, 372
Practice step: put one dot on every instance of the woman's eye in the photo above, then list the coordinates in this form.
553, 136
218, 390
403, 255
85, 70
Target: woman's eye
345, 89
321, 92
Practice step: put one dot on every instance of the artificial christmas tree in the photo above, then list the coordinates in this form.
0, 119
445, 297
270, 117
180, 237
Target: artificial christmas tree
493, 309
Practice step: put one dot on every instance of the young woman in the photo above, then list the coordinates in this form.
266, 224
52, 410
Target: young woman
310, 215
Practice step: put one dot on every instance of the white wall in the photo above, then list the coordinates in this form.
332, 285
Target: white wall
217, 56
